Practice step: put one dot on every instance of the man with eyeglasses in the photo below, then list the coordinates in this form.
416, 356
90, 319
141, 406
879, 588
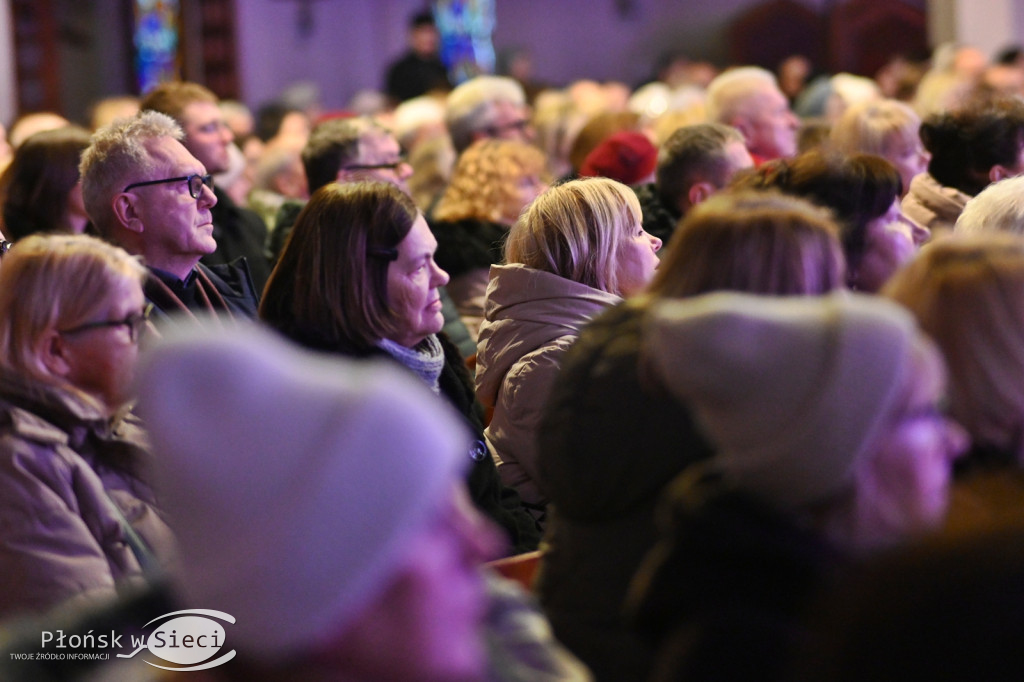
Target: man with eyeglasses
487, 107
343, 150
238, 231
145, 192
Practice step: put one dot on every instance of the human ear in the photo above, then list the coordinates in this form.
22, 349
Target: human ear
127, 215
53, 354
699, 191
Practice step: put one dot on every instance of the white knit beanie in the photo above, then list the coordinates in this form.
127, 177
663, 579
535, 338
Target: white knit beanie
789, 391
293, 481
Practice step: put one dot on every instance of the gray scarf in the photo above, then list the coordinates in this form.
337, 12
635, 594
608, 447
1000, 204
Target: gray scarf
426, 359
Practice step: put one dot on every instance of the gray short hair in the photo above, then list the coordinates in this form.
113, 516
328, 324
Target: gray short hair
470, 106
997, 208
727, 93
115, 151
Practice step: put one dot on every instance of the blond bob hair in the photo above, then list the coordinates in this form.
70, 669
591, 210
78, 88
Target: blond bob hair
54, 282
487, 177
576, 230
753, 242
880, 127
968, 294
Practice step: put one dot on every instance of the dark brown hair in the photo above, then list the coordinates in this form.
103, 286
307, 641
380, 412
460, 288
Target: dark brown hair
329, 288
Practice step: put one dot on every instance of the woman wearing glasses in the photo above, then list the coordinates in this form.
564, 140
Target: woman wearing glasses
75, 517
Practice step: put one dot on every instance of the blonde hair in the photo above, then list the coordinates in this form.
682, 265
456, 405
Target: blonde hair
754, 242
968, 294
873, 127
53, 282
576, 230
486, 176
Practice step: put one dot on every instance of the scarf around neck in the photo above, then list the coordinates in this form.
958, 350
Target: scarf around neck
426, 359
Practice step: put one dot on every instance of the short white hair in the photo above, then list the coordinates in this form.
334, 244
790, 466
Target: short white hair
729, 92
470, 106
997, 208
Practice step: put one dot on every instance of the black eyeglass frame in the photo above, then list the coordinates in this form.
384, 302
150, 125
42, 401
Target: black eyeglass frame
194, 191
135, 322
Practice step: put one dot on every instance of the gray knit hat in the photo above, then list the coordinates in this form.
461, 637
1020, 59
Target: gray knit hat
292, 480
790, 391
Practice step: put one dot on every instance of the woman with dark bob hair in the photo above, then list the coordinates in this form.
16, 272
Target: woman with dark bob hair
863, 191
40, 190
358, 277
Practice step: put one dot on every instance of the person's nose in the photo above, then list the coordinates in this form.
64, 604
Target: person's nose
440, 277
207, 199
655, 243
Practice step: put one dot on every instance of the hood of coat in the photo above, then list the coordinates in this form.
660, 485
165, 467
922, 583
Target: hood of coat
930, 204
524, 310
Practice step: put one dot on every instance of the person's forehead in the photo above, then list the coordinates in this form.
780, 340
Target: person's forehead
199, 112
172, 155
378, 144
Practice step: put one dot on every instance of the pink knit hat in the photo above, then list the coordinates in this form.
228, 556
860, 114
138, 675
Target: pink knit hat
626, 156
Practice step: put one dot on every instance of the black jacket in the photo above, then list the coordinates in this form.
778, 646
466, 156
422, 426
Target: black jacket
231, 281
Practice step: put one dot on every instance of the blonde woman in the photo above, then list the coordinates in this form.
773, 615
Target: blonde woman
75, 516
577, 249
491, 184
886, 128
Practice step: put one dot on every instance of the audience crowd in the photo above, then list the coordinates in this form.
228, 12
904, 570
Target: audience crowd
503, 381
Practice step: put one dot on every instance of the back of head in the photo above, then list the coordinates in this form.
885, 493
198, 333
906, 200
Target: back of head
53, 282
574, 230
729, 92
332, 144
875, 127
627, 156
968, 294
857, 188
117, 156
172, 97
997, 208
596, 130
967, 143
35, 186
323, 530
487, 177
330, 285
754, 242
693, 153
469, 106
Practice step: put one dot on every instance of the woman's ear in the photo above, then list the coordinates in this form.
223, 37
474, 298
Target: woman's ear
53, 354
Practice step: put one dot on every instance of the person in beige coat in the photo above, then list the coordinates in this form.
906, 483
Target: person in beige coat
76, 514
577, 250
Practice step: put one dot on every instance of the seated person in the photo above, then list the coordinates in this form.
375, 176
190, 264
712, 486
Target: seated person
77, 515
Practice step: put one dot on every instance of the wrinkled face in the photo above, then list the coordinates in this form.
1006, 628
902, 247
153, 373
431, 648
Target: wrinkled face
207, 136
888, 244
381, 150
428, 623
913, 457
909, 156
508, 122
101, 360
637, 260
768, 125
413, 280
177, 230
